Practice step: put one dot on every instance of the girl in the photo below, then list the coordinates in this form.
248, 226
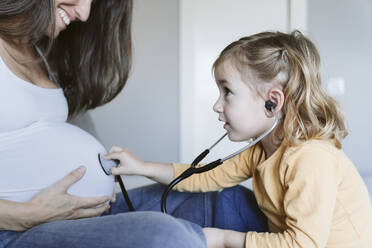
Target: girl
309, 191
59, 58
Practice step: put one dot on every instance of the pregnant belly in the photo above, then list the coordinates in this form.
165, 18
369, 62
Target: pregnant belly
37, 156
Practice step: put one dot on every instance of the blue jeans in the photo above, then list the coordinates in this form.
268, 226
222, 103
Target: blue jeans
234, 208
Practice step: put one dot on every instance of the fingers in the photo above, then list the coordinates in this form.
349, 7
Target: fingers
91, 212
117, 170
128, 162
113, 155
91, 206
116, 149
91, 202
70, 179
113, 198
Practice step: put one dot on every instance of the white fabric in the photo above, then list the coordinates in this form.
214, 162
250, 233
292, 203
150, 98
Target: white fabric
38, 147
368, 181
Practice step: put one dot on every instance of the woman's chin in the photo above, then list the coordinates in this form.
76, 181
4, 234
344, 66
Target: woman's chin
57, 31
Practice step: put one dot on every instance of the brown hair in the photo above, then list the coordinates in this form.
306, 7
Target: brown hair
292, 61
91, 60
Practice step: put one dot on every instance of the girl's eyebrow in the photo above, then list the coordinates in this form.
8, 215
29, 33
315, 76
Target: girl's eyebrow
222, 81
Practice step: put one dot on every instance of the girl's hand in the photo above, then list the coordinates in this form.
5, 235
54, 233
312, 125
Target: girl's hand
132, 165
129, 163
54, 203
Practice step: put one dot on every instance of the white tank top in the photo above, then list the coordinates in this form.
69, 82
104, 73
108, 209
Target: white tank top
38, 147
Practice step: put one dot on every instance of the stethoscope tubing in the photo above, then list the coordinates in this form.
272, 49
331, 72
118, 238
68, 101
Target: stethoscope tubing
125, 193
255, 141
193, 169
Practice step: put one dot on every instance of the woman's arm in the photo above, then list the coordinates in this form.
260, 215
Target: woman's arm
14, 216
53, 203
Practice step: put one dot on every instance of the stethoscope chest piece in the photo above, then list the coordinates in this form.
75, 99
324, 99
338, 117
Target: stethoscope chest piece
106, 164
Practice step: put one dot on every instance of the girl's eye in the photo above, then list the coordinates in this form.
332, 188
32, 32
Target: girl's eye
226, 91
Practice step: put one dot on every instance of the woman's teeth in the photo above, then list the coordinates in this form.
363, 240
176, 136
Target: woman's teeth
64, 16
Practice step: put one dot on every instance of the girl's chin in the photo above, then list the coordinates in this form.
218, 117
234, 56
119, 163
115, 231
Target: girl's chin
236, 138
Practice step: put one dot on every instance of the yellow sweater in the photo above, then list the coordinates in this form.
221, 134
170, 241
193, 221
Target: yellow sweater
311, 194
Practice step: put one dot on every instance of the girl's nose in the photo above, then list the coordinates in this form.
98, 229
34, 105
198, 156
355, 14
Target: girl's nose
82, 10
217, 107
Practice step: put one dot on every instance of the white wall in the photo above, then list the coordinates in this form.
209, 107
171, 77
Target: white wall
206, 28
342, 30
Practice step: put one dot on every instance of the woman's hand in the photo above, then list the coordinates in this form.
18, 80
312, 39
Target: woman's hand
129, 163
219, 238
54, 203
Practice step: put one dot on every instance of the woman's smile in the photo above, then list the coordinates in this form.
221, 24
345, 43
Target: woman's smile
64, 17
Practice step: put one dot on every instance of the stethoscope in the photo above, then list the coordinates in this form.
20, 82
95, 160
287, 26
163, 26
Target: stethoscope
194, 168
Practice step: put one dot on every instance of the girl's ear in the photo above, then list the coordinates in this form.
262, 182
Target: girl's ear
276, 96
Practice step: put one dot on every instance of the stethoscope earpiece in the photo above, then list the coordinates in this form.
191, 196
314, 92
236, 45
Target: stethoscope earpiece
269, 105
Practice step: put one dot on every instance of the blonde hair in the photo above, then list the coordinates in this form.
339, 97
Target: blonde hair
292, 61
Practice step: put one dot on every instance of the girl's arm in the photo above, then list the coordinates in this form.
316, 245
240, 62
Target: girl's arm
51, 204
159, 172
132, 165
233, 171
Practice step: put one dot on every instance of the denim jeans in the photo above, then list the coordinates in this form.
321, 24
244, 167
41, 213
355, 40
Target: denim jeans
234, 208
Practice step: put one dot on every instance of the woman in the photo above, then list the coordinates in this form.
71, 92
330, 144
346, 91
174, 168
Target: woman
58, 59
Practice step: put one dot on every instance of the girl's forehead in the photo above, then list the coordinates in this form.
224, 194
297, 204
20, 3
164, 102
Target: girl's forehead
229, 71
225, 69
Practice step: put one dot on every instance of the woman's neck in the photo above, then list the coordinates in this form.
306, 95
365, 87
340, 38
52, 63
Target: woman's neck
18, 58
16, 54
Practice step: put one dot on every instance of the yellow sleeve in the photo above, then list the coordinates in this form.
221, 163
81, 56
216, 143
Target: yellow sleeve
228, 174
310, 180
